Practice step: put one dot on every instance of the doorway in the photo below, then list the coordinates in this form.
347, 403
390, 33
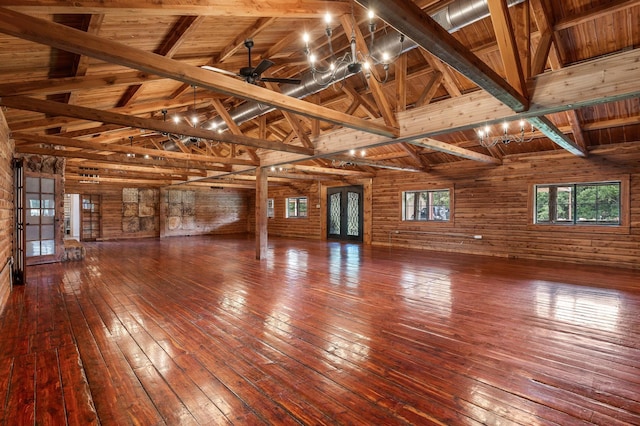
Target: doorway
345, 213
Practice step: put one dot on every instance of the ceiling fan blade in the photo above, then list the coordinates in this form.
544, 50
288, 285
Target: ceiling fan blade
281, 80
219, 70
263, 66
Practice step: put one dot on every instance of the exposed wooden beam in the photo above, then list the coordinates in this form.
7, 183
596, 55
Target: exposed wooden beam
409, 19
552, 132
123, 149
293, 121
357, 161
68, 84
330, 170
66, 38
101, 165
126, 180
447, 75
544, 22
401, 83
56, 108
121, 159
455, 150
505, 37
430, 89
572, 87
218, 8
373, 81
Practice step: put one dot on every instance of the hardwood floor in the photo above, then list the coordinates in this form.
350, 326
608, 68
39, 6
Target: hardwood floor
196, 331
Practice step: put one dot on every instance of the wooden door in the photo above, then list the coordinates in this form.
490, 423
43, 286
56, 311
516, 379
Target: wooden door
90, 217
345, 213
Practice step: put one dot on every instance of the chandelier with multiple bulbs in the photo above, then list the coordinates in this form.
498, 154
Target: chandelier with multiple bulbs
352, 61
487, 140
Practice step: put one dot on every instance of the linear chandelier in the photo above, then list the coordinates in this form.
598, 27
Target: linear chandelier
352, 61
487, 140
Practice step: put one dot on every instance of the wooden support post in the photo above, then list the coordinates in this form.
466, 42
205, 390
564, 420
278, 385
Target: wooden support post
262, 189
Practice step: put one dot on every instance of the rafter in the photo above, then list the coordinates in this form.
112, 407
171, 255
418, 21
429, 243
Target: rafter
219, 8
410, 20
57, 108
505, 37
376, 88
123, 149
66, 38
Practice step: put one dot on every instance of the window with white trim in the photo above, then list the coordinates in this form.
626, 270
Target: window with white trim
297, 207
270, 207
594, 203
430, 206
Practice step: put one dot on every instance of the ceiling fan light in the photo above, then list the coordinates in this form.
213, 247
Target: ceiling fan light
176, 119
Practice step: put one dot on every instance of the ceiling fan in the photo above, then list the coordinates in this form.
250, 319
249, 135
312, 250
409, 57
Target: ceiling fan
253, 75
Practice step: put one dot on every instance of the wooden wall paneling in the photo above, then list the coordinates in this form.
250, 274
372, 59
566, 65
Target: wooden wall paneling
494, 202
6, 209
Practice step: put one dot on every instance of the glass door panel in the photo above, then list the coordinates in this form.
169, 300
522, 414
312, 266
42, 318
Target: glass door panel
345, 213
40, 230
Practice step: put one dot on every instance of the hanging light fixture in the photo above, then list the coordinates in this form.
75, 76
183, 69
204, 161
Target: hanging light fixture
487, 140
352, 61
131, 154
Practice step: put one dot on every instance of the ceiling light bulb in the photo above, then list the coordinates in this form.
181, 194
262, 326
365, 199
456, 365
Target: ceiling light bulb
385, 57
213, 126
363, 153
176, 119
505, 126
194, 120
486, 129
371, 15
332, 66
366, 65
312, 58
481, 133
327, 18
352, 152
305, 38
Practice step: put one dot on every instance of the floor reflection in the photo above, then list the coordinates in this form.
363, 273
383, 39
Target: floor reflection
579, 306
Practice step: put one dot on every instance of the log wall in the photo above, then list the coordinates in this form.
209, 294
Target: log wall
496, 204
281, 226
215, 211
201, 211
6, 209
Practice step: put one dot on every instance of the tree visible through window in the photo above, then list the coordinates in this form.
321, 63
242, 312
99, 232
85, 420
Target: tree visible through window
297, 207
585, 203
426, 205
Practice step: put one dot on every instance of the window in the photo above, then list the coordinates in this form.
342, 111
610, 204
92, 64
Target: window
596, 203
426, 205
270, 207
297, 207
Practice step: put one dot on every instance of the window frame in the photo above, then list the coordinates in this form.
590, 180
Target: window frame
574, 225
403, 206
271, 208
297, 214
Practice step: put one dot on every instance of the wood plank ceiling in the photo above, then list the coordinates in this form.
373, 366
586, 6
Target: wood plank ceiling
100, 83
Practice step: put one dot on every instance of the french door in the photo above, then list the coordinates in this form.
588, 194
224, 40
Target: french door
90, 217
345, 213
43, 233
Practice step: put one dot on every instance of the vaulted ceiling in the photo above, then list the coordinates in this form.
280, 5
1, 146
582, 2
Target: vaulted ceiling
101, 83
